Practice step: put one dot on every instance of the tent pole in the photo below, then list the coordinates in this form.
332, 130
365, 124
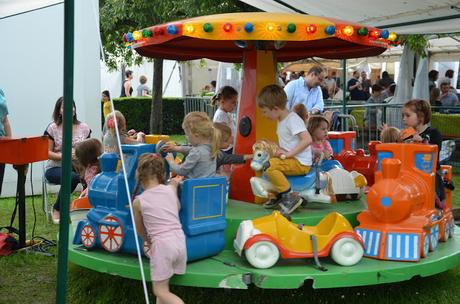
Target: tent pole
344, 91
61, 289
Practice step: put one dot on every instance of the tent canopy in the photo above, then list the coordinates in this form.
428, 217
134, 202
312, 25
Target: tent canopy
403, 17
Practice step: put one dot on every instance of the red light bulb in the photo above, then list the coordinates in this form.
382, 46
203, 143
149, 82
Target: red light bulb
227, 27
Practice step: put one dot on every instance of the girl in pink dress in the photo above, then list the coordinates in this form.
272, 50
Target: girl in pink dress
318, 127
156, 212
87, 153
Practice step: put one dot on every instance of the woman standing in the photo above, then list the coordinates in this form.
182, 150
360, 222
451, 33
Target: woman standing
127, 89
80, 132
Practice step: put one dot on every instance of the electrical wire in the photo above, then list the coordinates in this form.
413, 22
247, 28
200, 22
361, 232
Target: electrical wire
139, 256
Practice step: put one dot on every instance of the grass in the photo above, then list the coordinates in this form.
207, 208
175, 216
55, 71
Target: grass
31, 278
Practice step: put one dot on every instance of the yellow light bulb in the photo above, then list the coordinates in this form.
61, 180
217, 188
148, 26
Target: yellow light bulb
392, 36
137, 35
348, 30
270, 27
189, 28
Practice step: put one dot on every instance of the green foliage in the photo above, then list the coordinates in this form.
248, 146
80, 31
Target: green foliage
137, 113
121, 16
417, 43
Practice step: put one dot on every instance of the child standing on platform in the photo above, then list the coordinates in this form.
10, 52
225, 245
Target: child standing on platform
294, 156
87, 153
318, 127
156, 213
205, 142
226, 99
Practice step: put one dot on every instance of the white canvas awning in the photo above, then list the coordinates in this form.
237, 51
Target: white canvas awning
403, 17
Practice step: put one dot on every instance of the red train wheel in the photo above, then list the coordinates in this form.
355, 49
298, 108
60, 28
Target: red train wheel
88, 236
111, 236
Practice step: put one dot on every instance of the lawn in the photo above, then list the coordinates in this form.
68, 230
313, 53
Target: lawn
31, 278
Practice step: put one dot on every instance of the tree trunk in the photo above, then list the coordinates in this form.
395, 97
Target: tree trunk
156, 114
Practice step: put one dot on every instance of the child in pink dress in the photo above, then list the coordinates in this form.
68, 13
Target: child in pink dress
156, 213
318, 127
87, 153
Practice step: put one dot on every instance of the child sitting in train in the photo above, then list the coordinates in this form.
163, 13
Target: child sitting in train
294, 156
318, 127
156, 213
87, 153
416, 113
205, 145
110, 137
226, 98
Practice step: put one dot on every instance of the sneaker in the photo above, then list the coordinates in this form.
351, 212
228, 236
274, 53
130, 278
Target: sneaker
56, 216
272, 203
289, 202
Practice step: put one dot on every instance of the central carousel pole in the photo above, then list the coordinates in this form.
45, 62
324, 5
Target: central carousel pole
259, 71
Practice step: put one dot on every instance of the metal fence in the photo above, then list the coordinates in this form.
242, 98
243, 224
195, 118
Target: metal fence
363, 118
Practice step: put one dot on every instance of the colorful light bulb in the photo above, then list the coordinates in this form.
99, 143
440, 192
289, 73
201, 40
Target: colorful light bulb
311, 28
188, 28
330, 30
249, 27
227, 27
291, 28
270, 27
207, 27
392, 36
348, 30
172, 29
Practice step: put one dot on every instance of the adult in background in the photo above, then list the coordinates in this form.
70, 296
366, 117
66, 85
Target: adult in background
307, 91
448, 76
355, 88
366, 83
331, 84
432, 77
53, 173
143, 89
5, 130
126, 88
386, 80
107, 105
448, 99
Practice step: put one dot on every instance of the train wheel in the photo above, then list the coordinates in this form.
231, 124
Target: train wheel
426, 246
88, 236
262, 254
111, 236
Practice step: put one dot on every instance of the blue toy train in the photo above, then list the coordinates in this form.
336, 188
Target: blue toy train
108, 223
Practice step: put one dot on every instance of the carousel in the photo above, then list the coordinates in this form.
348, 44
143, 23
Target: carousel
391, 233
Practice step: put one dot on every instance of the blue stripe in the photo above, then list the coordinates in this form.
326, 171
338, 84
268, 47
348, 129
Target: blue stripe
371, 239
403, 246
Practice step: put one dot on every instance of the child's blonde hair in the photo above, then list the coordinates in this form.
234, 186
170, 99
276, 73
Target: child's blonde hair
225, 130
121, 122
150, 165
390, 135
272, 96
226, 92
314, 122
199, 124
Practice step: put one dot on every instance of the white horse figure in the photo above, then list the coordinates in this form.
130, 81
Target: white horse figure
334, 184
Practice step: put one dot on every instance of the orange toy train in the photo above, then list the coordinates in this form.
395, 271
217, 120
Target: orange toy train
401, 222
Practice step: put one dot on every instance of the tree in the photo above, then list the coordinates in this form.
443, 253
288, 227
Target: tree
118, 17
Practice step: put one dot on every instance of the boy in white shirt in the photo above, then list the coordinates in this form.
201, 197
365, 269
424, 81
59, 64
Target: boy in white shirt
294, 155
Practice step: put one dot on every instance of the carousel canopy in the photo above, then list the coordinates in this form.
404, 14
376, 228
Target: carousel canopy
226, 37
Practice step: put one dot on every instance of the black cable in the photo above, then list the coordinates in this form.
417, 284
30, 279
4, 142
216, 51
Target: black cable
33, 201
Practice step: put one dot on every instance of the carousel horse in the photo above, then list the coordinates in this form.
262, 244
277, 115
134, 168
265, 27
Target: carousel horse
326, 181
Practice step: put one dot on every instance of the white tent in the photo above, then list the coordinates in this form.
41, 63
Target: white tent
403, 17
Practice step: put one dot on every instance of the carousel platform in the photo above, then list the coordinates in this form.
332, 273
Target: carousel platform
228, 270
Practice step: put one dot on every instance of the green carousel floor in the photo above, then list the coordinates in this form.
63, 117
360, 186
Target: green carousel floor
228, 270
